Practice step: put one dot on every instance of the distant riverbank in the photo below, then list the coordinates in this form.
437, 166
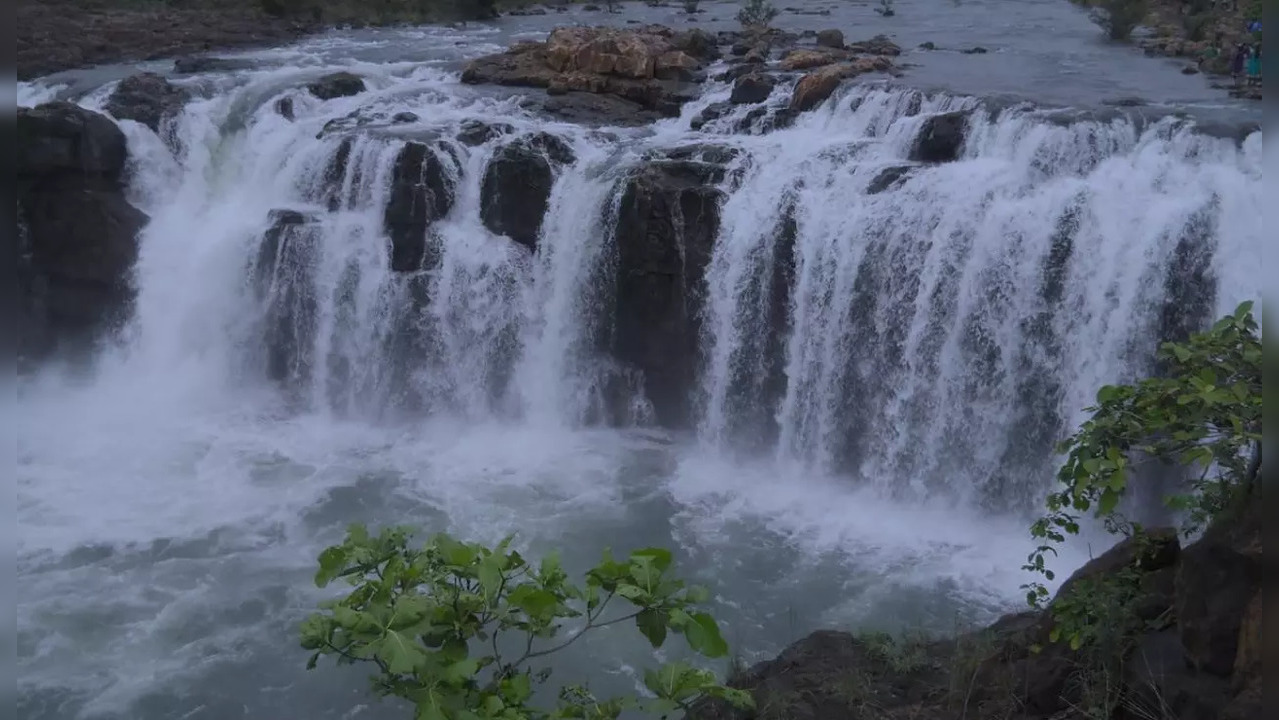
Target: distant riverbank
56, 35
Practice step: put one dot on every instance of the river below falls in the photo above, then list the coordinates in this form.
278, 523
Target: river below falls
168, 519
165, 553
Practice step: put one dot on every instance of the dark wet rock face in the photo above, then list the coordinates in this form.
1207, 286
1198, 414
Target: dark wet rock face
478, 132
752, 88
516, 190
1177, 634
285, 285
77, 233
665, 230
423, 189
284, 107
941, 139
337, 85
888, 178
204, 64
147, 98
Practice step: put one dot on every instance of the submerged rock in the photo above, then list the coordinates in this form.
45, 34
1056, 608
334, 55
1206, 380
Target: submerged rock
752, 88
878, 45
941, 138
830, 38
284, 280
888, 178
78, 236
477, 132
337, 85
205, 64
147, 98
422, 192
666, 224
516, 190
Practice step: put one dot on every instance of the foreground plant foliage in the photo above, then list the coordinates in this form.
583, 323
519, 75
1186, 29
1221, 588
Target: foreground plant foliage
454, 627
1202, 412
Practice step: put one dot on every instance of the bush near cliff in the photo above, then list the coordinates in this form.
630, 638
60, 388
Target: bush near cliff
454, 628
1202, 412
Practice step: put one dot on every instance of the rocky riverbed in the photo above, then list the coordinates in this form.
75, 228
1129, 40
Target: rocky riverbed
1178, 635
54, 35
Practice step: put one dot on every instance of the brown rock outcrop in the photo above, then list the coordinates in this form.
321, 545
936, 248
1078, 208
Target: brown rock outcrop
651, 66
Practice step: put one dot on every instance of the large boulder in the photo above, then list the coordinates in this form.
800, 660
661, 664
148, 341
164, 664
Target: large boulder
147, 98
651, 65
666, 224
830, 38
806, 59
473, 132
752, 88
1154, 550
1218, 577
194, 64
941, 138
422, 191
837, 676
337, 85
285, 284
78, 236
59, 139
516, 190
815, 87
878, 45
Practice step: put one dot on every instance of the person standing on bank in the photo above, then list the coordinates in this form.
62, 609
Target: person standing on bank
1238, 62
1254, 65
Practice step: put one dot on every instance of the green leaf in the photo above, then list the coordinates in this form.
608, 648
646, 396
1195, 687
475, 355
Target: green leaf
517, 689
550, 565
490, 576
1107, 502
697, 595
461, 671
633, 593
652, 623
659, 558
645, 576
311, 662
332, 564
400, 652
534, 601
704, 637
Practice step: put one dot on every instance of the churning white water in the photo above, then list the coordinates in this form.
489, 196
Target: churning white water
881, 375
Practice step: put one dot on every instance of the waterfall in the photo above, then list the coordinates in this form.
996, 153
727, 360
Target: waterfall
828, 369
943, 326
925, 329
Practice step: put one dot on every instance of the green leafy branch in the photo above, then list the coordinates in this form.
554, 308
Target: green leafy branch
429, 619
1202, 412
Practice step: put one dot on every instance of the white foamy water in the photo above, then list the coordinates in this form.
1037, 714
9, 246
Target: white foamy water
870, 431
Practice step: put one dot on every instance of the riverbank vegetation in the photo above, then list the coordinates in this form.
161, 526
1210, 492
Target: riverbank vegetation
459, 630
436, 622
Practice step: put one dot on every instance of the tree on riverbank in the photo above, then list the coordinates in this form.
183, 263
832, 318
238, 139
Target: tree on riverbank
756, 13
1120, 17
457, 629
1201, 412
